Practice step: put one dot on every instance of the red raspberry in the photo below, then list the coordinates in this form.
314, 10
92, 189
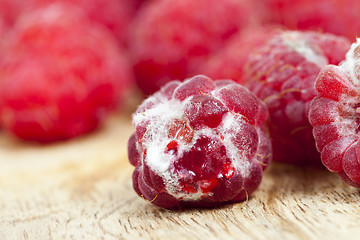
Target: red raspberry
282, 73
172, 38
335, 116
115, 15
316, 15
199, 143
60, 75
229, 62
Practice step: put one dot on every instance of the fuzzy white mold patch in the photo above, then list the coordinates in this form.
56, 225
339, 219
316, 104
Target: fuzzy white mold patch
296, 42
194, 196
157, 136
346, 123
239, 159
352, 63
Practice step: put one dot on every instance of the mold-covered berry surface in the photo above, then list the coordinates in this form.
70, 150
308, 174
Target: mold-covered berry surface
82, 189
334, 115
282, 73
199, 143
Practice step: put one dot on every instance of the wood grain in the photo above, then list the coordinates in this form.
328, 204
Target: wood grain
81, 189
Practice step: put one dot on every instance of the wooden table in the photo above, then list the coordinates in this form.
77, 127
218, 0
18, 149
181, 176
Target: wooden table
81, 189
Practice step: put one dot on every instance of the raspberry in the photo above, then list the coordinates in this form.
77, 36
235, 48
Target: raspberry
199, 143
315, 15
335, 116
115, 15
282, 73
2, 29
172, 38
229, 62
60, 75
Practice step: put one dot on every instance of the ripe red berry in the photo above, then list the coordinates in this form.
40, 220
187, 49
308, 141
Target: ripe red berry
335, 117
199, 143
171, 38
60, 75
282, 73
315, 15
115, 15
230, 60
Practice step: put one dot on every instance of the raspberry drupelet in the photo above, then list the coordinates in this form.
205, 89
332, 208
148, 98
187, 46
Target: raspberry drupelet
335, 116
59, 76
199, 143
282, 73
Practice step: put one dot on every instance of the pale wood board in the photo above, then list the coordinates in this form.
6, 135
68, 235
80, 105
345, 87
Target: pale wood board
81, 189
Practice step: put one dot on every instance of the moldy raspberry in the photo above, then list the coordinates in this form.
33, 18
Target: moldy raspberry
282, 73
335, 116
60, 75
199, 143
172, 38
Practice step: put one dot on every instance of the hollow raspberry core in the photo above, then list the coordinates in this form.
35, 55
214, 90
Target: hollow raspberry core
199, 143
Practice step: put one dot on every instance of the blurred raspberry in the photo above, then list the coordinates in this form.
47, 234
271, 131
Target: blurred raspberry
172, 38
282, 73
339, 17
199, 143
60, 75
335, 116
230, 60
115, 15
